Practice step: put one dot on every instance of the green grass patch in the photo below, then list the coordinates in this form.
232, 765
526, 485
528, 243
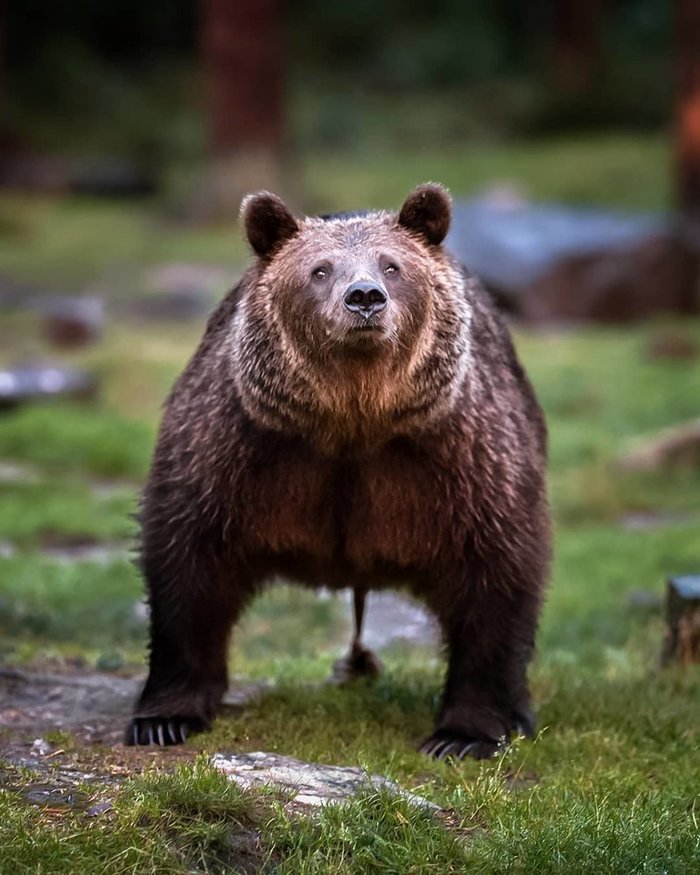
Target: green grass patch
87, 603
56, 513
86, 441
614, 170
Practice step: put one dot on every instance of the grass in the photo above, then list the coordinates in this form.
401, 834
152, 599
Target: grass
610, 784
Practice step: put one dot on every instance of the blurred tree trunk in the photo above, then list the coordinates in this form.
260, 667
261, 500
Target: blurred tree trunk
2, 79
243, 64
578, 46
688, 106
687, 146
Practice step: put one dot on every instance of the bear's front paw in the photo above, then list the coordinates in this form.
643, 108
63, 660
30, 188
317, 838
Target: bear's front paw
445, 743
163, 731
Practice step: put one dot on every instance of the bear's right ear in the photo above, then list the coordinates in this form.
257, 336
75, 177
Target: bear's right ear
267, 222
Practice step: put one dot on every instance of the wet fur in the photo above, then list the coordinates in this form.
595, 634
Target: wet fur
422, 468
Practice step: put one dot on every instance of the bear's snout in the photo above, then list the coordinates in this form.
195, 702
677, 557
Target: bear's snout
365, 298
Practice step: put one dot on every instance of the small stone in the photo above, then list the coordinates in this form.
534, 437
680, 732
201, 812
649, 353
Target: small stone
99, 808
40, 747
73, 322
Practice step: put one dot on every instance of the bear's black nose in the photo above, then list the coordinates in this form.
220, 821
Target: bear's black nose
365, 298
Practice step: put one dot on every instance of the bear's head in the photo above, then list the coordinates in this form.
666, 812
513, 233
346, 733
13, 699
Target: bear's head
350, 324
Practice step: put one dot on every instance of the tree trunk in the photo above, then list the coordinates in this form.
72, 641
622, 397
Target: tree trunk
242, 53
578, 48
687, 147
688, 106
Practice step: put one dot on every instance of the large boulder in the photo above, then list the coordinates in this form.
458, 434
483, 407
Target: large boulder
550, 262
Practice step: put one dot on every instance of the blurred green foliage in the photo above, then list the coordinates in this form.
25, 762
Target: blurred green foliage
355, 71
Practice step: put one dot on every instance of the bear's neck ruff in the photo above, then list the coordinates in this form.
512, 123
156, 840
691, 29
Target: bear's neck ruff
347, 398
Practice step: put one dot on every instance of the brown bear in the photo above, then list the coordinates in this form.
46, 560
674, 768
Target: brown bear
355, 416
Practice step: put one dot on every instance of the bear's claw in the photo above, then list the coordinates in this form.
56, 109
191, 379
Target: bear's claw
444, 743
162, 731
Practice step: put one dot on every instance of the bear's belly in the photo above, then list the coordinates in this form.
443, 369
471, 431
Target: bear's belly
332, 521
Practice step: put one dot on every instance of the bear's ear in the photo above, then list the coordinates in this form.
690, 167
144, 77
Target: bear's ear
427, 211
267, 222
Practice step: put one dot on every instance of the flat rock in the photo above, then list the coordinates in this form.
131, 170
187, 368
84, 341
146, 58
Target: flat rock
309, 784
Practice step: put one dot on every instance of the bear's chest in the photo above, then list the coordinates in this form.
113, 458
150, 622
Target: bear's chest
390, 512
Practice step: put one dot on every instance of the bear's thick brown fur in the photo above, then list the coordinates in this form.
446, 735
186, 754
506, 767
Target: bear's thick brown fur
355, 416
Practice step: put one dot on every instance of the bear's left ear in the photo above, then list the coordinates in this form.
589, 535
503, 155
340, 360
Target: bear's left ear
267, 222
427, 211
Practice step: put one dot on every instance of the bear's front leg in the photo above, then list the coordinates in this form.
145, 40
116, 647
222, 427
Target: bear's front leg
193, 607
489, 628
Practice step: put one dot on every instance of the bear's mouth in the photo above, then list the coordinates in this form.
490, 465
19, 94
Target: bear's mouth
365, 337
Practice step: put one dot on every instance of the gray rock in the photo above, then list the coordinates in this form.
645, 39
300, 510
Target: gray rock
551, 262
512, 244
99, 809
40, 747
35, 382
309, 784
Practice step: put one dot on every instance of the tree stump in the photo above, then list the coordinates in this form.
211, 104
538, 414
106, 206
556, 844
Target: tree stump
683, 618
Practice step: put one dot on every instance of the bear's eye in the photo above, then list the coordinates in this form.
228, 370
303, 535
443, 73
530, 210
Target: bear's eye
391, 269
320, 273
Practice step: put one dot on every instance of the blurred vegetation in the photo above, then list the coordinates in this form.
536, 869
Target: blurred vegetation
361, 76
